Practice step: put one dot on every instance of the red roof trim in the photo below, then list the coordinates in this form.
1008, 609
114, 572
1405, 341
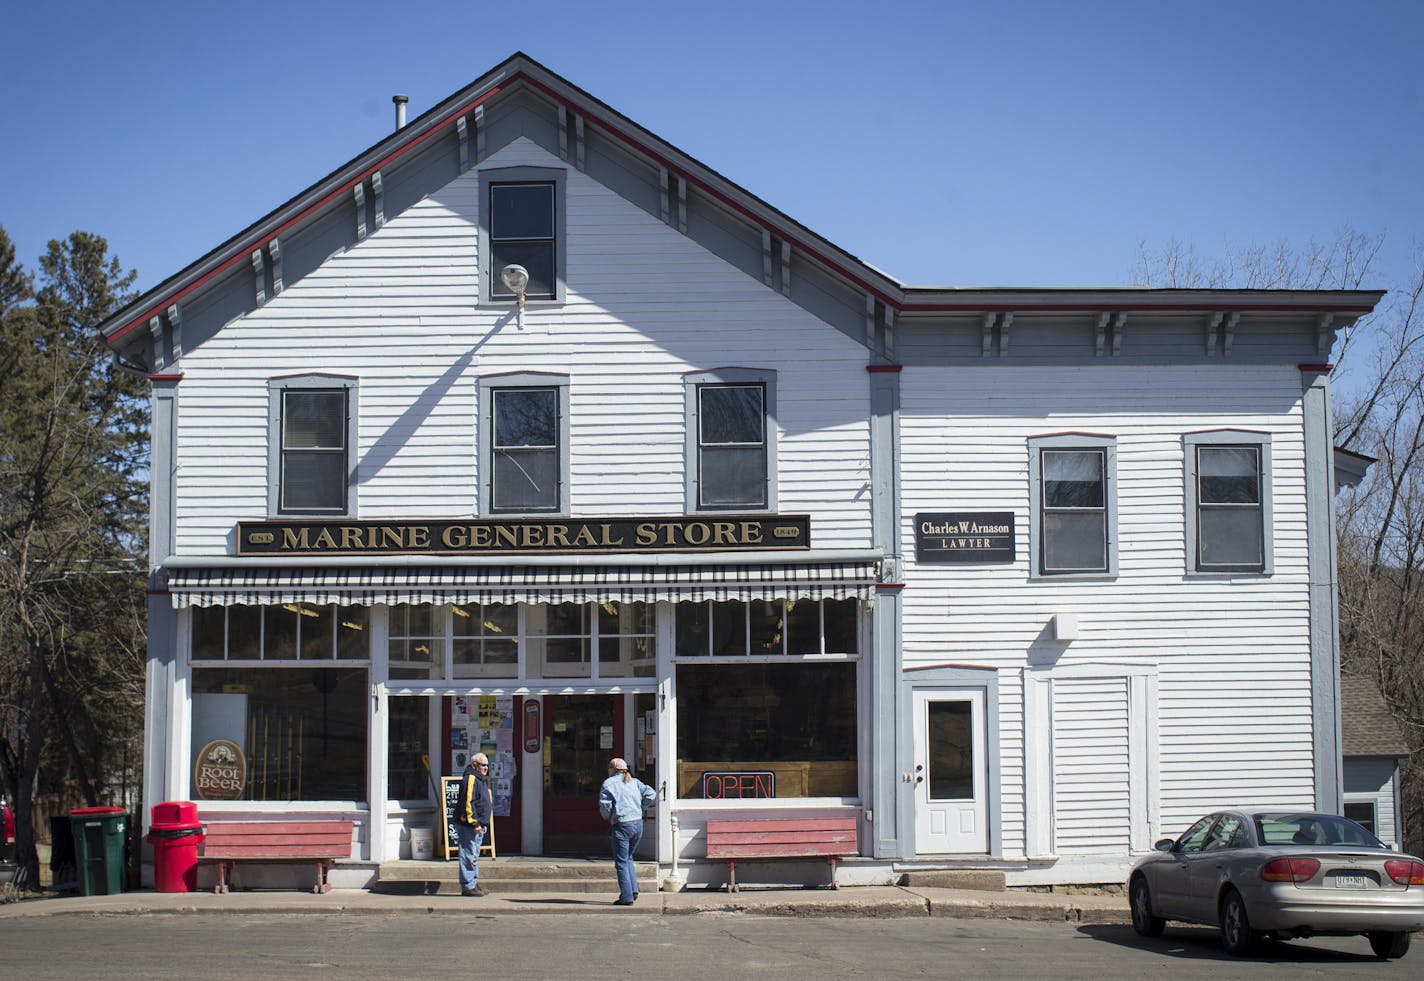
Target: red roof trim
1135, 308
1316, 367
877, 368
593, 117
246, 250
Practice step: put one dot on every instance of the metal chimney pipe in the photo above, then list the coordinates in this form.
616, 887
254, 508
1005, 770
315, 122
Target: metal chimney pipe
400, 102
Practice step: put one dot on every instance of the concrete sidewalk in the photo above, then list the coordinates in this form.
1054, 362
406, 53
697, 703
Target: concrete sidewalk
858, 901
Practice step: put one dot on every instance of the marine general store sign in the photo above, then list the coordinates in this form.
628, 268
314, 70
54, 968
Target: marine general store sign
506, 536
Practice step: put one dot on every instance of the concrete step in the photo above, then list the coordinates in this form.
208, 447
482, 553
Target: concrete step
511, 874
984, 880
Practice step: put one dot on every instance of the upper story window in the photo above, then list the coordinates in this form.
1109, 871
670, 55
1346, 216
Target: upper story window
1074, 523
731, 440
312, 433
1228, 501
521, 224
524, 444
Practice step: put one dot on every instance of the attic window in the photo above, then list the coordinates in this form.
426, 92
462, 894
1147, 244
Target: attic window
522, 231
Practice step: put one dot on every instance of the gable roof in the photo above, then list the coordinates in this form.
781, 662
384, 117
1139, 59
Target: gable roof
1367, 727
521, 76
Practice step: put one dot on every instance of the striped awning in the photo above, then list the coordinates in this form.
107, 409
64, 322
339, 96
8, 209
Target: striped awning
520, 584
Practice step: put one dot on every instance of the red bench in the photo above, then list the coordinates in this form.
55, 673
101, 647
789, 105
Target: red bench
773, 838
317, 841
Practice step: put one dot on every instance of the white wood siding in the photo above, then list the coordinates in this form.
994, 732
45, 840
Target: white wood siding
1375, 780
1091, 796
1231, 652
644, 306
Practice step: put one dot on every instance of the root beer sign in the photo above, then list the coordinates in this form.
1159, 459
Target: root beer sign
514, 536
220, 772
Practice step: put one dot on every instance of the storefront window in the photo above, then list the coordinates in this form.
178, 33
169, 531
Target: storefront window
625, 641
767, 628
762, 729
285, 632
302, 730
417, 638
486, 643
410, 728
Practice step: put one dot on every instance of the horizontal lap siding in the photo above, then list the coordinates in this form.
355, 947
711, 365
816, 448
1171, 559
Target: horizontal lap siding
400, 311
1232, 653
1091, 804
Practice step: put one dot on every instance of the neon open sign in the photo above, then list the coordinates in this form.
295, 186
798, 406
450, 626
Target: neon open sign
738, 785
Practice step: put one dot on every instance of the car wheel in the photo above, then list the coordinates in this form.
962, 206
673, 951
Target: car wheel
1237, 934
1387, 945
1143, 920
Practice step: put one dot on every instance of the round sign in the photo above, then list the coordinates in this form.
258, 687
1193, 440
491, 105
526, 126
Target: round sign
220, 772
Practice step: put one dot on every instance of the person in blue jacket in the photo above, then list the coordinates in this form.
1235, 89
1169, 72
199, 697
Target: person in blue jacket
621, 802
473, 809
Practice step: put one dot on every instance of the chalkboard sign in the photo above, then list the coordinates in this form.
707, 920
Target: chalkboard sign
450, 843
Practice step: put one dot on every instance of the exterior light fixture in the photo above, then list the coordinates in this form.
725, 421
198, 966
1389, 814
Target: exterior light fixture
516, 278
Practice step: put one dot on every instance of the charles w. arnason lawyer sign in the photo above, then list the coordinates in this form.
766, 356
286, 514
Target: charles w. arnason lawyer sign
964, 536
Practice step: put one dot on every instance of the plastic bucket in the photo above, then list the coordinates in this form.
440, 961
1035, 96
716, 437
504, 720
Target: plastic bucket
422, 844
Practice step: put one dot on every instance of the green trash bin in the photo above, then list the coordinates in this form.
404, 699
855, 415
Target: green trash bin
100, 834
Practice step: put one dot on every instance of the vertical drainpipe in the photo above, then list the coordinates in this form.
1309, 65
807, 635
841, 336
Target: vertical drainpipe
400, 102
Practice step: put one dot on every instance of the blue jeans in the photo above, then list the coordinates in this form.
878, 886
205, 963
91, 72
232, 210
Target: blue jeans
470, 842
625, 842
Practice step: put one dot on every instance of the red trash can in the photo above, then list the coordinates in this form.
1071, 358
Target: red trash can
175, 834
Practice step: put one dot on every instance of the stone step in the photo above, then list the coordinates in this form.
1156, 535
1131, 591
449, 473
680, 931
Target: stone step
983, 880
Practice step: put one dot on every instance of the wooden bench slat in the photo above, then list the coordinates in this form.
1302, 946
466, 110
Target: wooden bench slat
281, 852
787, 824
789, 850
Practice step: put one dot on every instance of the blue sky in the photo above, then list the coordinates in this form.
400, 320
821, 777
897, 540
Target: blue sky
949, 144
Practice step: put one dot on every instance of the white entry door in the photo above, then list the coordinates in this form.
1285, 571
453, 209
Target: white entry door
950, 772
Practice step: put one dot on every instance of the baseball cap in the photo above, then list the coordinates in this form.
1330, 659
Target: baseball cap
618, 763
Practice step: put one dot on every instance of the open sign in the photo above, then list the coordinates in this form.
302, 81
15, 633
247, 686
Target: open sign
741, 785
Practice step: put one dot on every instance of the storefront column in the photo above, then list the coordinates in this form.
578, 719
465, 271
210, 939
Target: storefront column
378, 737
665, 739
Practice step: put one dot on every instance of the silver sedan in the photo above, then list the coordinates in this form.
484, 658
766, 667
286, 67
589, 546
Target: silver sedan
1280, 874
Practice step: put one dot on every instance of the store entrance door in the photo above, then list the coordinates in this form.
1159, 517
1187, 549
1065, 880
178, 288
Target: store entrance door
581, 734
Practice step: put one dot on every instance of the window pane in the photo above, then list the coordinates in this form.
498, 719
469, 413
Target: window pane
313, 481
566, 618
732, 477
526, 417
352, 637
694, 629
951, 750
410, 728
1230, 537
730, 414
1228, 475
803, 627
842, 627
209, 633
318, 629
303, 730
1362, 813
795, 720
1072, 479
1075, 542
521, 211
767, 620
279, 632
244, 633
729, 627
537, 258
526, 480
313, 420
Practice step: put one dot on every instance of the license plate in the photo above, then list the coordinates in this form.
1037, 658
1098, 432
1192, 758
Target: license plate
1350, 882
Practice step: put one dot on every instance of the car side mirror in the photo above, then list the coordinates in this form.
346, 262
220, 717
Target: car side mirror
1164, 845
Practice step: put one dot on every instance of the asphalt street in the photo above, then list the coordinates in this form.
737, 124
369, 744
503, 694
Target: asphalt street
706, 945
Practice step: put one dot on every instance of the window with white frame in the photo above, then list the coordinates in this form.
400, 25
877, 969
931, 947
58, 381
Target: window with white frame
731, 425
281, 632
1228, 501
768, 687
524, 451
312, 437
1074, 522
521, 223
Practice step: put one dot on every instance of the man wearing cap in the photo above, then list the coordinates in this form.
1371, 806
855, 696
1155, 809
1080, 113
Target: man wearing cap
473, 809
621, 802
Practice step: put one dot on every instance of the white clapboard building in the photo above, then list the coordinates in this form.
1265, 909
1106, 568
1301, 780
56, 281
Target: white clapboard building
524, 431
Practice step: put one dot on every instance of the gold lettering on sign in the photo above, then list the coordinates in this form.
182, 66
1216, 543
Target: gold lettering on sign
295, 538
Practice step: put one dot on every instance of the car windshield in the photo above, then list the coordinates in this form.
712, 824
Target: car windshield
1312, 829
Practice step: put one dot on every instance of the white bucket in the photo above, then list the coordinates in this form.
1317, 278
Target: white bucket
422, 844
